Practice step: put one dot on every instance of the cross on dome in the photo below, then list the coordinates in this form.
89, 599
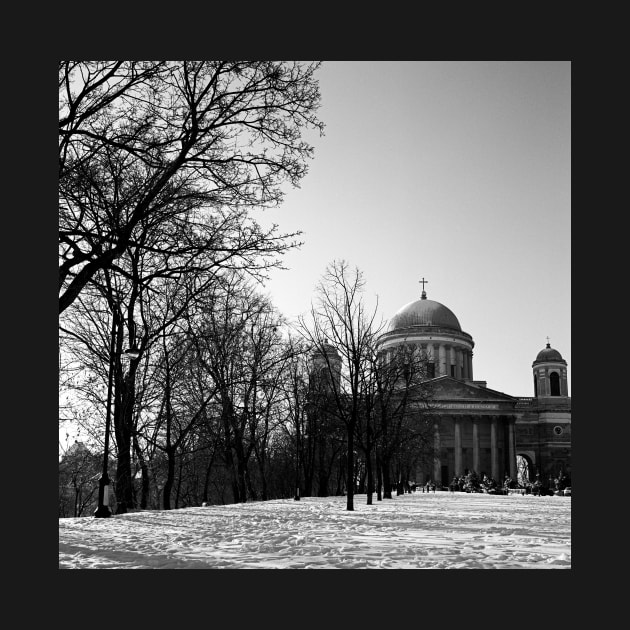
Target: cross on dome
423, 282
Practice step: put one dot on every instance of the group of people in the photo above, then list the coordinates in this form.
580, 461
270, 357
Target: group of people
470, 481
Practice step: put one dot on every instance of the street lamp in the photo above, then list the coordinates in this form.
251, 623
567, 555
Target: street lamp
103, 511
132, 353
297, 471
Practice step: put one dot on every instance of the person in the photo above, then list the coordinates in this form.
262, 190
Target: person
489, 484
536, 486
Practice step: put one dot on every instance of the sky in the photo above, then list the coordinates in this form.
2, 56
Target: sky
441, 530
458, 172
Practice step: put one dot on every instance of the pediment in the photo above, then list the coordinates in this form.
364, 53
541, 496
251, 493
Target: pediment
448, 388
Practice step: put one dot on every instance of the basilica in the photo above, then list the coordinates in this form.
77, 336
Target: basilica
477, 428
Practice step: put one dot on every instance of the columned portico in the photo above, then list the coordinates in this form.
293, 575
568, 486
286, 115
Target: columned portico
511, 449
494, 449
459, 469
466, 365
475, 444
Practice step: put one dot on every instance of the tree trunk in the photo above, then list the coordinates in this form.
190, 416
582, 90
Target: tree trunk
307, 473
324, 472
241, 468
387, 480
179, 482
368, 464
251, 491
170, 478
226, 416
144, 471
206, 483
124, 494
350, 469
263, 480
379, 479
123, 427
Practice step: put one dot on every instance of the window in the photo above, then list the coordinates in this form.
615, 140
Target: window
430, 370
453, 371
554, 383
406, 370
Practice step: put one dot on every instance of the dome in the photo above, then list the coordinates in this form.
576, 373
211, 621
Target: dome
549, 354
424, 312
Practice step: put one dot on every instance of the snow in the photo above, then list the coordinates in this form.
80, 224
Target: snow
441, 530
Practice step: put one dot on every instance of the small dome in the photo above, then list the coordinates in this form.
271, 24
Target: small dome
424, 312
549, 354
327, 348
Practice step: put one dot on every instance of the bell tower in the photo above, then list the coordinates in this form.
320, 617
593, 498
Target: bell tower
326, 367
550, 374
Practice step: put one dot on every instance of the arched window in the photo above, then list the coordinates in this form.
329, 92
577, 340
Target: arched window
554, 383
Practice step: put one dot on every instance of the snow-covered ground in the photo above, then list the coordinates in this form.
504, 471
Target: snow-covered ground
439, 530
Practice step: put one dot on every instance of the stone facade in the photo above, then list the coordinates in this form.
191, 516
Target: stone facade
475, 427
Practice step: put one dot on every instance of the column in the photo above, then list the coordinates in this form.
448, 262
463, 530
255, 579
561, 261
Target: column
458, 446
475, 444
511, 448
437, 460
442, 359
494, 451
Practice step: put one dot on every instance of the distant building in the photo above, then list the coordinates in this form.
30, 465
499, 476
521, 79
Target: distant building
478, 428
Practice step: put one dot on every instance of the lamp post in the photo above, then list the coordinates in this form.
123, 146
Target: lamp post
103, 511
297, 462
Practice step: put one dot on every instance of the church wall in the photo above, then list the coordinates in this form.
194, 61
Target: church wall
538, 427
546, 438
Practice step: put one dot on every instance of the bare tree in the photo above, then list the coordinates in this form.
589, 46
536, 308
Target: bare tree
160, 164
79, 471
145, 141
149, 289
399, 398
237, 339
340, 321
